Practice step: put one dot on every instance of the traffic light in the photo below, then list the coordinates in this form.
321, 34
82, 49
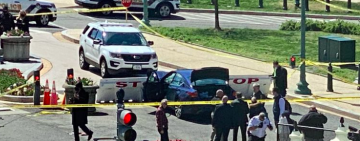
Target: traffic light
70, 74
37, 88
125, 120
292, 61
37, 78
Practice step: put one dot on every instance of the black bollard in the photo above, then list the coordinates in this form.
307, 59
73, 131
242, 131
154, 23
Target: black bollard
358, 88
285, 5
306, 5
261, 4
349, 5
330, 80
237, 3
189, 2
327, 6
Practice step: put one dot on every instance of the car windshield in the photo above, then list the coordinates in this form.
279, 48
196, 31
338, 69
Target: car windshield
125, 39
203, 82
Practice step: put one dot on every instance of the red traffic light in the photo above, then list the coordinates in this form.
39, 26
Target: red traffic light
37, 78
70, 76
293, 59
127, 117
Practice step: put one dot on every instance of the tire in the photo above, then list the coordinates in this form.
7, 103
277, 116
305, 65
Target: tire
106, 4
178, 112
104, 69
43, 20
163, 10
82, 62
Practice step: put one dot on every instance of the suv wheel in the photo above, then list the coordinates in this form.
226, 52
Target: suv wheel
103, 69
164, 10
106, 4
43, 20
82, 62
178, 112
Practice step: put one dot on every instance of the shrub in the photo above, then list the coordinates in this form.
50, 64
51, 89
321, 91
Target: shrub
9, 78
337, 26
85, 81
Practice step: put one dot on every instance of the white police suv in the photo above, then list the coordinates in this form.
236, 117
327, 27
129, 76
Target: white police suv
162, 8
32, 7
116, 48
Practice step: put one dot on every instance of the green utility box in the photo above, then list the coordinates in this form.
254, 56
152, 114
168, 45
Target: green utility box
336, 49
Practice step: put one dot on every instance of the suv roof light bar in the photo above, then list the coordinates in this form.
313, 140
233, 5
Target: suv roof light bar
117, 24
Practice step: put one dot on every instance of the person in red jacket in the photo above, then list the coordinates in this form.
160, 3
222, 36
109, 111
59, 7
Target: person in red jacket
161, 120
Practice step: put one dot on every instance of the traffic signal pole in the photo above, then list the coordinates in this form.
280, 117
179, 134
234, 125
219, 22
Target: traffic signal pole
37, 88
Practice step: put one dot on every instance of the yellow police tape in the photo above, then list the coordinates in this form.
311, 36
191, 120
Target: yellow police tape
12, 90
170, 103
337, 7
80, 11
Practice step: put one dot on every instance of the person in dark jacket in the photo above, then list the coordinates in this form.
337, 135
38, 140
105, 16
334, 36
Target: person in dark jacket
7, 20
79, 115
257, 93
220, 122
162, 121
313, 119
255, 108
22, 22
280, 78
240, 111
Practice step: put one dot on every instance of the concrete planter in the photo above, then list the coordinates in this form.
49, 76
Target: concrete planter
20, 99
70, 91
16, 48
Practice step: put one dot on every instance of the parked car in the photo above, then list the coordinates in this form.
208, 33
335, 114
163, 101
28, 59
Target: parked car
32, 7
116, 48
162, 8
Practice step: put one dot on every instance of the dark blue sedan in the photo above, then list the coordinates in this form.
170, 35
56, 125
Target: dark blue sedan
188, 85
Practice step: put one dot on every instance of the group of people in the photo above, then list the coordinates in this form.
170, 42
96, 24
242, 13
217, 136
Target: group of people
7, 21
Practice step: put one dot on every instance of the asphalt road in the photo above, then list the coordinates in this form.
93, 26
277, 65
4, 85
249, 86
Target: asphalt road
18, 126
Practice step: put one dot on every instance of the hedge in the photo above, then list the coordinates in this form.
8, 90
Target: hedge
337, 26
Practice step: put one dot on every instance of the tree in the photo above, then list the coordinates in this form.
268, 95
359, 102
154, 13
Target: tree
217, 23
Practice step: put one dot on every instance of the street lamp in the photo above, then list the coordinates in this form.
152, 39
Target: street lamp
145, 19
303, 85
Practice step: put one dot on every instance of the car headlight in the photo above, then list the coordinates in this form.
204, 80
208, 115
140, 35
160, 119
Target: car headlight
154, 56
115, 55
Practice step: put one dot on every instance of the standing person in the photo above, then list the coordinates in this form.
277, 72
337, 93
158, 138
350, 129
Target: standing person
22, 22
257, 93
7, 20
313, 119
256, 108
219, 95
79, 115
240, 111
280, 78
279, 106
257, 127
222, 120
162, 121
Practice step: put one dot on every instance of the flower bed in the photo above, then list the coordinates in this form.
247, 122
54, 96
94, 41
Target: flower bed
11, 79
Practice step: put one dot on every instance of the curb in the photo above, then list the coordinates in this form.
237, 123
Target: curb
324, 106
69, 37
317, 104
30, 72
320, 16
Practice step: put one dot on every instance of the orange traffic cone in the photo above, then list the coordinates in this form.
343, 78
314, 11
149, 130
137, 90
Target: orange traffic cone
53, 95
46, 100
63, 102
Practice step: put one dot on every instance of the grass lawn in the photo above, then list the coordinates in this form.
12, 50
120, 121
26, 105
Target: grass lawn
272, 6
267, 45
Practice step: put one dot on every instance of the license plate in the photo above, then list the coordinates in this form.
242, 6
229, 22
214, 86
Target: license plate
137, 67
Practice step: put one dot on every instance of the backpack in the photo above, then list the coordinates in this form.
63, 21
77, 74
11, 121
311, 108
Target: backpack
288, 106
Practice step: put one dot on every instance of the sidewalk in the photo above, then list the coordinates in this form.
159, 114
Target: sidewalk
170, 52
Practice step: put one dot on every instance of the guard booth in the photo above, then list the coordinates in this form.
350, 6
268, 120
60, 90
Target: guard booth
336, 49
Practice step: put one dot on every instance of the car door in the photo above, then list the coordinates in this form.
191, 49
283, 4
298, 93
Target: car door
152, 88
96, 47
89, 44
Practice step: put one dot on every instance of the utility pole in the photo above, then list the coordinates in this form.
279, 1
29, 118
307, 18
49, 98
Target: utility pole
303, 85
145, 19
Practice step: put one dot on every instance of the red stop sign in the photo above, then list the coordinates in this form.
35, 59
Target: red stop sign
126, 3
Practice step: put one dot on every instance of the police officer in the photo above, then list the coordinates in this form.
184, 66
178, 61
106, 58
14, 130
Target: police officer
7, 20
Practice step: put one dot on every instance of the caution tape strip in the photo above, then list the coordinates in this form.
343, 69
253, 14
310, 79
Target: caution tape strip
170, 103
337, 7
80, 11
12, 90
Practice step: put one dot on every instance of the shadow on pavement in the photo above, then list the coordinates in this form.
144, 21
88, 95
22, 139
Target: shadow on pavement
48, 26
98, 114
121, 75
122, 16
